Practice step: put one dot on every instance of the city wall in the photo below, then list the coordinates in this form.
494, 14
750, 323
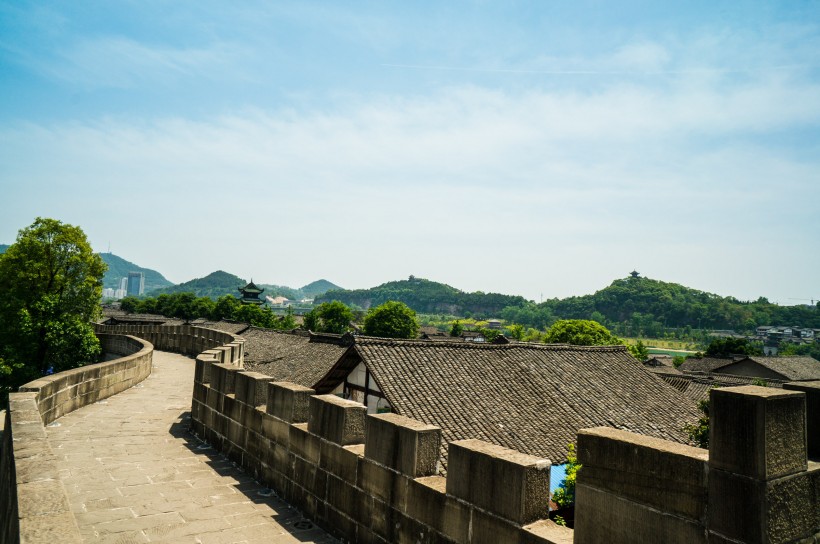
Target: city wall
756, 483
33, 503
371, 478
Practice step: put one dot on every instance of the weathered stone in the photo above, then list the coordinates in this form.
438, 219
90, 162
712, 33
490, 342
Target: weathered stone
337, 420
289, 402
757, 431
403, 444
812, 391
505, 482
655, 472
605, 517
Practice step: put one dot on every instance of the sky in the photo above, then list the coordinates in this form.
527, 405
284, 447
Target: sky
537, 148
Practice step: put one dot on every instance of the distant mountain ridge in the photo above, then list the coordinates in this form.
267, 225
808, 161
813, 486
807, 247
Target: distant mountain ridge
426, 296
220, 283
119, 268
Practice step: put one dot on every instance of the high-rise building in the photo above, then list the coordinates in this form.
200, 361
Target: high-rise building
136, 283
124, 284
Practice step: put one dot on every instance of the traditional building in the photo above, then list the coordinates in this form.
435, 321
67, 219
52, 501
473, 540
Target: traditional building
529, 397
250, 294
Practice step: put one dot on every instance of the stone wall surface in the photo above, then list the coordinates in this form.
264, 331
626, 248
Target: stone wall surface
374, 478
370, 478
33, 502
757, 483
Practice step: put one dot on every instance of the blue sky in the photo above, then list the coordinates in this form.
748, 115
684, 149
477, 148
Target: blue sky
533, 148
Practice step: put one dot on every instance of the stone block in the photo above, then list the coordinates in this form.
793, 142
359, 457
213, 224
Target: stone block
758, 432
252, 388
275, 429
303, 443
773, 511
504, 482
379, 481
202, 369
349, 500
403, 444
601, 516
224, 378
342, 461
428, 503
338, 420
659, 473
289, 402
812, 391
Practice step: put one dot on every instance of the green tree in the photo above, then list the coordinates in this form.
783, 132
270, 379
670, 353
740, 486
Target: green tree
699, 432
391, 320
456, 329
226, 307
50, 291
564, 496
725, 347
639, 351
288, 321
580, 332
334, 317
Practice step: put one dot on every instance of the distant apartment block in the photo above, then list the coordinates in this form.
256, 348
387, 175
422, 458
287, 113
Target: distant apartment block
136, 284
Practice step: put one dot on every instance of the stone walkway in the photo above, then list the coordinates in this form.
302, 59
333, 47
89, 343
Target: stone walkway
134, 473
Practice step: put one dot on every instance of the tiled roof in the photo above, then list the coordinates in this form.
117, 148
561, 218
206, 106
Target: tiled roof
232, 327
529, 397
297, 357
703, 364
697, 386
793, 368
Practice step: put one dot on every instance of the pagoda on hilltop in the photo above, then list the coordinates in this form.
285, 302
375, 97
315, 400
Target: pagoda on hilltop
250, 294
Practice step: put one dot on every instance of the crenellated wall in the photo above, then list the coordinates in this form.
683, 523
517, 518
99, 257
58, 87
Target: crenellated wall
759, 482
184, 339
370, 478
33, 502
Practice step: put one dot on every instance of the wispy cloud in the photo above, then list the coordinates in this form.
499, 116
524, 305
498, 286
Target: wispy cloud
442, 179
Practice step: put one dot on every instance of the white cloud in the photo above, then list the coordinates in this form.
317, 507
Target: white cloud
553, 192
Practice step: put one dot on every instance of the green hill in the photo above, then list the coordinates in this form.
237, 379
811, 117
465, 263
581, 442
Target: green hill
636, 305
3, 248
425, 296
214, 285
318, 287
119, 268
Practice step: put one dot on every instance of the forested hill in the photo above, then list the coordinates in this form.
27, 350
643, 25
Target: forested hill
641, 304
219, 283
318, 287
214, 285
119, 268
426, 296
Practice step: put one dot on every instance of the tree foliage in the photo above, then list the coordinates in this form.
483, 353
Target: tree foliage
188, 306
699, 432
333, 317
50, 289
564, 496
425, 296
392, 319
580, 332
726, 347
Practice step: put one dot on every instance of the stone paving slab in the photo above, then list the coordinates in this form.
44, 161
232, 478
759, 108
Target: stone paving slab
135, 474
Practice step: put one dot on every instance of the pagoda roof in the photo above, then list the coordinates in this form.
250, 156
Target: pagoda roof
250, 288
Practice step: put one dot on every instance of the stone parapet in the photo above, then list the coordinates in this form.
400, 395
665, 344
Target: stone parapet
372, 478
754, 485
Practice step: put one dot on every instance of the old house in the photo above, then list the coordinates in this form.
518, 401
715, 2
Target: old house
530, 397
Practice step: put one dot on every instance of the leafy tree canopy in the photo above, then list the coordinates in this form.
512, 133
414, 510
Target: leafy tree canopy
580, 332
333, 317
392, 319
50, 289
726, 347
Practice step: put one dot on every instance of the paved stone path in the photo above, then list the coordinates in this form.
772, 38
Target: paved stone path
134, 473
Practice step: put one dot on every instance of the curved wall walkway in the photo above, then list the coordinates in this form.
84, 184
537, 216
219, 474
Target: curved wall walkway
133, 473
